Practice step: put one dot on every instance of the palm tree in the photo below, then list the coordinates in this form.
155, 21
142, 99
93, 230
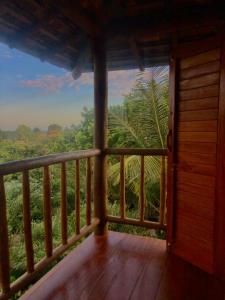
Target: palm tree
142, 121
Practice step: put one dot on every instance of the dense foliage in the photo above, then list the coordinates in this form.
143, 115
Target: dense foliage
141, 121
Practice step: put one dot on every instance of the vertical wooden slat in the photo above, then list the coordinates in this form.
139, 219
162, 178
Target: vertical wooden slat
142, 189
88, 191
77, 197
63, 204
27, 222
166, 188
4, 242
122, 188
162, 190
100, 132
47, 212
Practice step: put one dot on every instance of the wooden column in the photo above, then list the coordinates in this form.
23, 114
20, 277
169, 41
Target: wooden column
171, 150
100, 132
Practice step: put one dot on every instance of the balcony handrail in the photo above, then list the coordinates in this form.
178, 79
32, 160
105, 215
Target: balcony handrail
142, 153
42, 161
137, 151
7, 289
45, 162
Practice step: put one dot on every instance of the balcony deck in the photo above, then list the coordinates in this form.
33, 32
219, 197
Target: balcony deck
123, 266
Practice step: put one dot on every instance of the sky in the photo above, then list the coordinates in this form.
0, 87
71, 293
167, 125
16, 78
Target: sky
36, 93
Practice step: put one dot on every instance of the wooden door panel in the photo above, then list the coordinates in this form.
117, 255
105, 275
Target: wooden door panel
195, 162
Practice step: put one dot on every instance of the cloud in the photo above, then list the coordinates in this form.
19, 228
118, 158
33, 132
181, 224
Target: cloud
120, 82
49, 83
5, 54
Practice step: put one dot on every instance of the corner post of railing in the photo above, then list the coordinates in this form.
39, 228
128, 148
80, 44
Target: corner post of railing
100, 131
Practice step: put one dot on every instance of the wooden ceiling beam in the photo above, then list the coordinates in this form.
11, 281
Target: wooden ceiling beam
81, 61
137, 54
155, 30
79, 17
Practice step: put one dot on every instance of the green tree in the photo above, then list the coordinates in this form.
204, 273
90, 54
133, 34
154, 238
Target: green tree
24, 133
142, 122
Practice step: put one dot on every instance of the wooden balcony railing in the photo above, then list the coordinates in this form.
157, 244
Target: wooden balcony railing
24, 167
141, 221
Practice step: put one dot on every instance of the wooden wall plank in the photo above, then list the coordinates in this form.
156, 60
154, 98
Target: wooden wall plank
199, 59
196, 204
200, 230
208, 137
200, 81
206, 103
197, 147
197, 168
200, 179
196, 158
189, 250
196, 188
193, 126
207, 68
203, 92
198, 115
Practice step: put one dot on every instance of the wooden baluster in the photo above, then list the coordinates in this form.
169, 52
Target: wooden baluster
142, 189
166, 187
63, 204
77, 198
162, 190
88, 191
122, 188
27, 222
4, 242
47, 212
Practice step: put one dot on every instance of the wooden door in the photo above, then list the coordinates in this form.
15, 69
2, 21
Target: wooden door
194, 203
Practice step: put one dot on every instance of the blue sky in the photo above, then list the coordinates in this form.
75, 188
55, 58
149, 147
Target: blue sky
37, 94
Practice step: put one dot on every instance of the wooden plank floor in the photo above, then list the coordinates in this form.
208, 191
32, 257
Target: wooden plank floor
123, 266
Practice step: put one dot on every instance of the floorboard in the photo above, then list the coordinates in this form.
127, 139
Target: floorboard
122, 267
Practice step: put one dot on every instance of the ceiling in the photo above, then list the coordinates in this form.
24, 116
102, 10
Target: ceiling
138, 33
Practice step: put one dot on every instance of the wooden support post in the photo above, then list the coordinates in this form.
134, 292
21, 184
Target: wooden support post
171, 145
100, 132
